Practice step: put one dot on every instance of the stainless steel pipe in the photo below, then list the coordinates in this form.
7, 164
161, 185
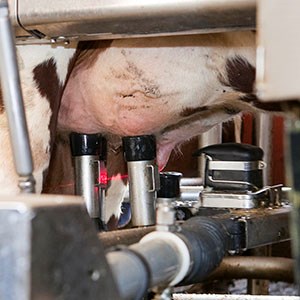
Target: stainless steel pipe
255, 267
123, 237
14, 107
107, 19
264, 129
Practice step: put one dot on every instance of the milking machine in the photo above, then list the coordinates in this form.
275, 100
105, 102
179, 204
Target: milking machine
232, 212
233, 178
140, 154
89, 153
49, 248
174, 253
229, 215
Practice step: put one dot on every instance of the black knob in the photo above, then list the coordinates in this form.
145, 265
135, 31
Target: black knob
88, 144
169, 185
139, 148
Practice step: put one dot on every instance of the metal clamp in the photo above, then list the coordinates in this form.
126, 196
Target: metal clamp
155, 178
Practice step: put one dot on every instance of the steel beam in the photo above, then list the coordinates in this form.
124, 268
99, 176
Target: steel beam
107, 19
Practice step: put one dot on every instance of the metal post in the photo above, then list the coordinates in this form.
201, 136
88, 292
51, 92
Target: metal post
12, 96
264, 130
263, 139
293, 179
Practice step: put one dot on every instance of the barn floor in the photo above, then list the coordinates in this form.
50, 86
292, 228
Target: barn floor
275, 288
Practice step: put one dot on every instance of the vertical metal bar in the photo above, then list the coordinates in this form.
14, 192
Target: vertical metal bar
259, 286
293, 180
13, 101
263, 139
264, 130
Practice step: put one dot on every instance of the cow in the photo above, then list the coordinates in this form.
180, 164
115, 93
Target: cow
174, 87
159, 85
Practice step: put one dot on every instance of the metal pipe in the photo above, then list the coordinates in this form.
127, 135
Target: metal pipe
159, 259
259, 286
293, 179
184, 257
190, 189
263, 130
189, 195
191, 181
123, 237
107, 19
133, 283
163, 257
12, 96
255, 267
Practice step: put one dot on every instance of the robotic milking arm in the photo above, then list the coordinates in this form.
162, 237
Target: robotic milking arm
233, 193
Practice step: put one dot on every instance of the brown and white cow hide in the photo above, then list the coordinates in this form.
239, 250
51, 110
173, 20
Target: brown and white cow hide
43, 70
173, 87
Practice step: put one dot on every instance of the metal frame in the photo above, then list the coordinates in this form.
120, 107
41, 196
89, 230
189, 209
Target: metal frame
60, 21
12, 97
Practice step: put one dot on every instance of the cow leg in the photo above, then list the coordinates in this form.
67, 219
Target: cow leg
48, 79
60, 177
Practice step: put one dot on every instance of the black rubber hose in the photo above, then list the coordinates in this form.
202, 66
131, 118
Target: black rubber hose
207, 240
